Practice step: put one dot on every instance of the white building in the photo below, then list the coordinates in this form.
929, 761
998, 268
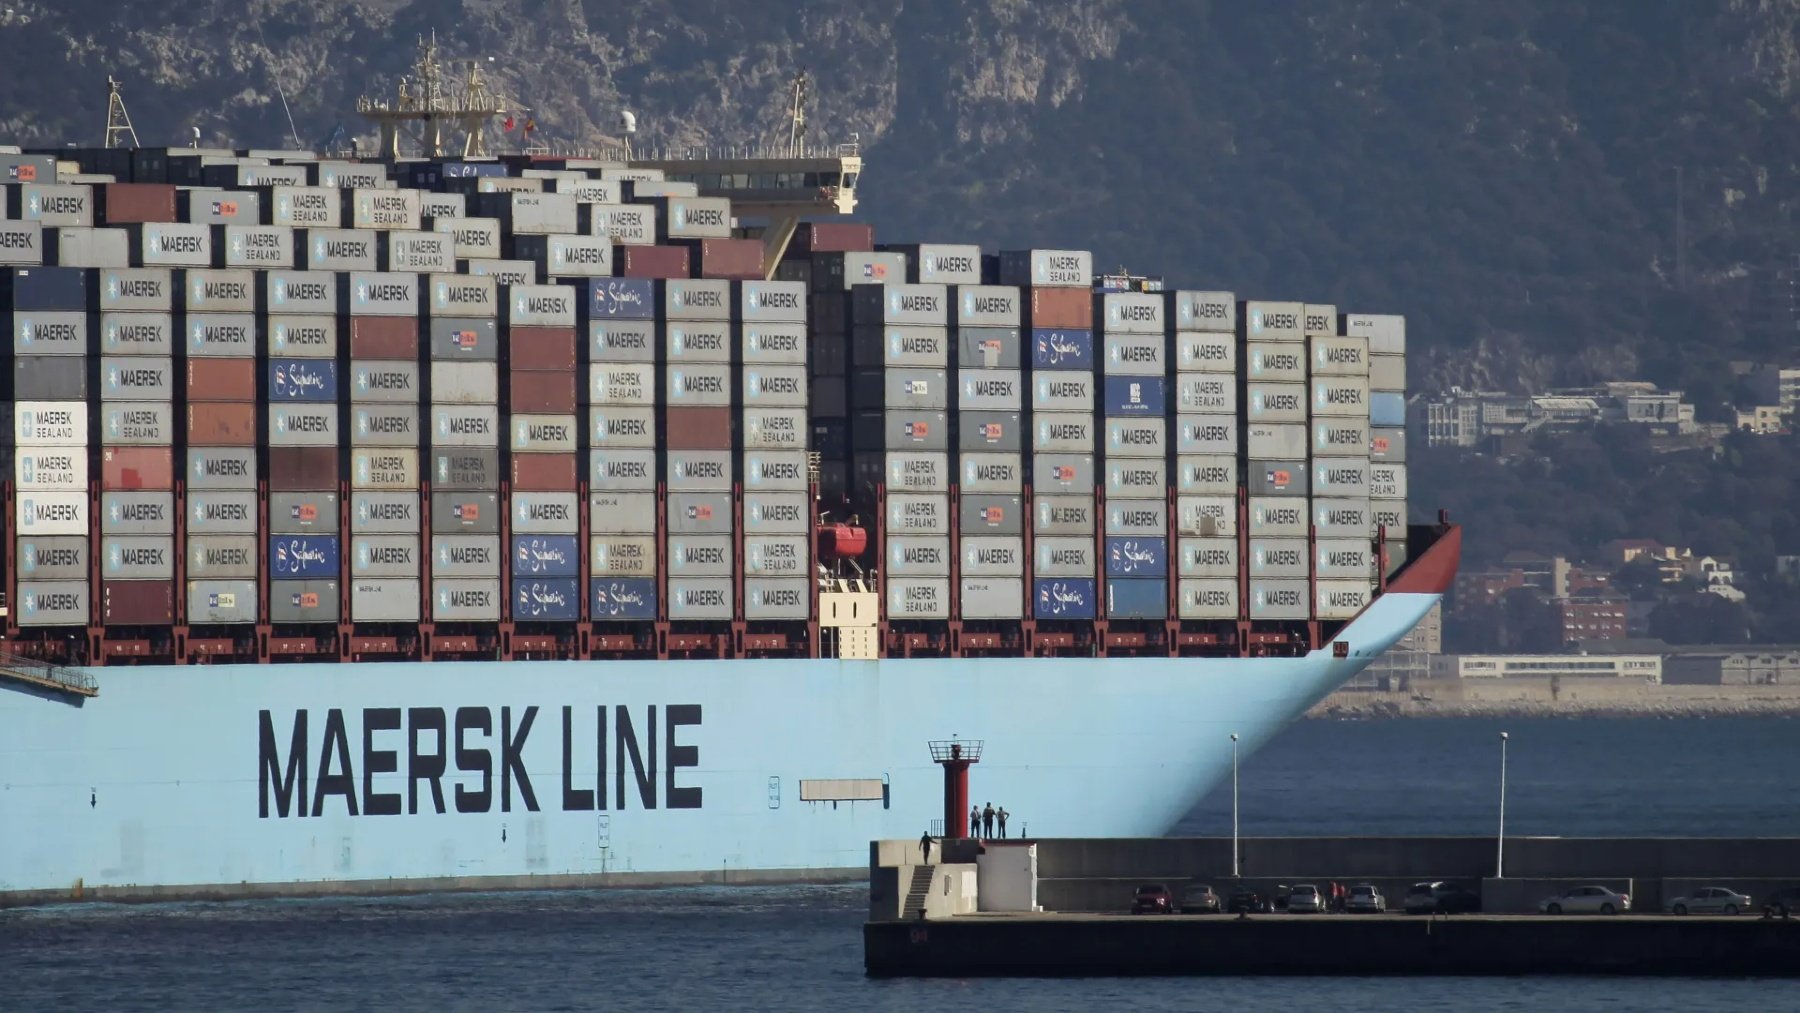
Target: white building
1647, 667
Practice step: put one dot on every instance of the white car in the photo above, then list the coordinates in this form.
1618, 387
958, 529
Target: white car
1586, 900
1365, 899
1306, 899
1715, 900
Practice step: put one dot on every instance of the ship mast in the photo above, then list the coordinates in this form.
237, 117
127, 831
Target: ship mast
430, 106
118, 121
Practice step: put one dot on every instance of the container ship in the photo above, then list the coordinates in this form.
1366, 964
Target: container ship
458, 522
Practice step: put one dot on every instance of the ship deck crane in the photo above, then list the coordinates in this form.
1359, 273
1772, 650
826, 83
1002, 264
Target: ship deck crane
431, 106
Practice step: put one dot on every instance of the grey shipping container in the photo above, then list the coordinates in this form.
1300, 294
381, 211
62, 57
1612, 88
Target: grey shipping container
1207, 557
1346, 396
221, 602
775, 556
465, 599
696, 299
1335, 356
1276, 441
222, 512
1064, 557
775, 471
1207, 598
1388, 516
1274, 321
306, 513
1054, 474
783, 344
379, 513
774, 428
992, 473
1136, 354
1342, 599
308, 207
1131, 313
700, 513
384, 468
137, 557
463, 295
385, 556
622, 341
919, 305
992, 597
565, 256
895, 345
1062, 391
991, 514
841, 272
339, 250
1344, 559
136, 513
691, 341
1387, 444
917, 472
1047, 268
137, 423
545, 513
1278, 557
699, 470
540, 306
615, 426
992, 555
1137, 477
990, 390
1206, 393
1341, 477
544, 434
137, 334
1387, 372
265, 247
385, 210
22, 243
316, 601
303, 425
775, 386
130, 378
99, 248
1146, 517
221, 468
52, 603
989, 306
466, 468
1276, 478
1277, 517
622, 512
905, 388
460, 383
416, 252
1280, 599
1341, 518
465, 556
471, 238
989, 432
942, 264
62, 557
1063, 432
169, 244
504, 272
918, 598
380, 294
770, 513
778, 598
1064, 515
1206, 475
384, 425
1137, 437
470, 512
1274, 362
622, 383
699, 385
52, 333
391, 600
138, 289
1213, 516
697, 217
625, 224
918, 514
696, 598
1202, 311
1275, 402
53, 377
301, 292
914, 555
622, 556
221, 335
623, 469
222, 557
56, 206
1340, 437
989, 348
1387, 481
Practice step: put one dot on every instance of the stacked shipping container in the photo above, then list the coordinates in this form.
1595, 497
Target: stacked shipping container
544, 570
1206, 443
48, 445
624, 432
1135, 402
223, 517
697, 422
990, 437
769, 334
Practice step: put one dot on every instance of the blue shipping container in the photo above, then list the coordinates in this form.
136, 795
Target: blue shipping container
303, 556
623, 598
555, 600
621, 299
1128, 396
546, 556
1137, 557
303, 380
1058, 348
47, 289
1387, 408
1066, 598
1137, 598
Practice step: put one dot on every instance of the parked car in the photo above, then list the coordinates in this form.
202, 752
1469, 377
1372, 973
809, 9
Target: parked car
1365, 899
1152, 898
1712, 900
1198, 898
1783, 902
1586, 900
1439, 897
1247, 902
1305, 899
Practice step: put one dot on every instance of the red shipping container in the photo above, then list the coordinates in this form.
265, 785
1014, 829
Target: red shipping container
543, 472
137, 602
739, 259
384, 337
223, 423
221, 379
1062, 307
654, 262
303, 469
541, 348
697, 428
834, 237
131, 203
128, 469
543, 392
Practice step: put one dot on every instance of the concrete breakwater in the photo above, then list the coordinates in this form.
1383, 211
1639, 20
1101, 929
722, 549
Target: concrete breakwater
1559, 698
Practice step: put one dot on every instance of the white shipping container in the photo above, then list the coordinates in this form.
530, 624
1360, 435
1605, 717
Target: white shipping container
1340, 437
1206, 475
470, 238
37, 468
990, 390
987, 306
774, 428
622, 383
419, 252
1276, 402
1137, 478
1387, 481
386, 210
1145, 517
775, 470
774, 343
1062, 391
1343, 599
44, 512
1387, 372
1064, 557
1135, 354
98, 248
54, 333
304, 207
1137, 437
775, 387
541, 306
622, 556
1207, 557
1206, 393
1340, 396
1197, 352
993, 473
378, 294
1203, 311
778, 513
1206, 434
338, 250
1277, 442
1386, 334
778, 598
1341, 518
1339, 356
1278, 517
918, 598
626, 224
465, 425
615, 426
1275, 362
1063, 433
137, 423
464, 296
138, 289
305, 293
1132, 313
1207, 598
1274, 321
257, 246
698, 341
384, 468
50, 423
1047, 268
1321, 321
1341, 477
918, 514
303, 425
777, 556
1343, 559
1279, 558
1064, 515
1280, 599
992, 597
465, 383
169, 244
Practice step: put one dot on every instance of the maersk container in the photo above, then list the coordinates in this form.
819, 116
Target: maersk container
303, 556
304, 207
917, 555
1278, 558
1276, 517
1275, 402
384, 556
300, 293
1062, 474
53, 513
545, 513
1343, 559
303, 425
1280, 599
1276, 478
906, 346
613, 426
1341, 477
1340, 437
543, 434
149, 290
316, 513
379, 294
136, 334
445, 206
1340, 396
386, 425
339, 250
1341, 518
308, 380
1335, 356
778, 598
1137, 598
699, 385
918, 514
371, 513
1065, 515
774, 387
1047, 268
917, 305
57, 206
1273, 321
225, 512
1137, 437
1342, 599
503, 272
1387, 481
137, 423
774, 428
465, 599
772, 344
55, 377
1207, 558
1139, 517
1388, 515
221, 602
699, 470
546, 599
384, 210
1206, 475
465, 556
159, 244
992, 555
316, 601
1387, 445
1387, 408
1064, 557
592, 191
921, 472
990, 306
622, 555
1188, 311
629, 341
53, 603
918, 598
1135, 354
470, 238
54, 332
775, 556
622, 470
52, 558
22, 243
1137, 478
136, 513
349, 176
941, 263
382, 468
990, 390
1207, 598
1132, 312
220, 291
1275, 362
697, 598
567, 256
1063, 433
697, 341
1319, 320
221, 468
221, 335
1387, 372
1063, 391
221, 557
989, 432
693, 299
776, 513
775, 471
615, 599
693, 217
50, 424
625, 224
1386, 334
1212, 516
97, 248
622, 383
253, 246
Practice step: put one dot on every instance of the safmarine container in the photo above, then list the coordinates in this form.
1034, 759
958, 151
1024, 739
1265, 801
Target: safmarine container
616, 599
918, 598
1065, 598
1137, 598
303, 556
541, 599
313, 380
1137, 557
546, 556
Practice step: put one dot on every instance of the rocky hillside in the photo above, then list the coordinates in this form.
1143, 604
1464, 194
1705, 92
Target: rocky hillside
1504, 171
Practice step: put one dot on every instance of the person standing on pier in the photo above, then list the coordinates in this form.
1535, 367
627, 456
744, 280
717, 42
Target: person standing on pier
1001, 816
987, 820
974, 821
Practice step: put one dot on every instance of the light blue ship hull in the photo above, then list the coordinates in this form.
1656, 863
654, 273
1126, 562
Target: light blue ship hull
166, 784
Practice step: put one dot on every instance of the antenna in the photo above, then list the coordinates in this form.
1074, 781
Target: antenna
628, 127
802, 97
118, 121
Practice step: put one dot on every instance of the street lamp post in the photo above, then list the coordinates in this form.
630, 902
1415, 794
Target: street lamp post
1234, 807
1500, 854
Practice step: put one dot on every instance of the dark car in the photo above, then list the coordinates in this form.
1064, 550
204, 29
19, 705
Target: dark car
1154, 899
1438, 897
1198, 898
1783, 903
1247, 902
